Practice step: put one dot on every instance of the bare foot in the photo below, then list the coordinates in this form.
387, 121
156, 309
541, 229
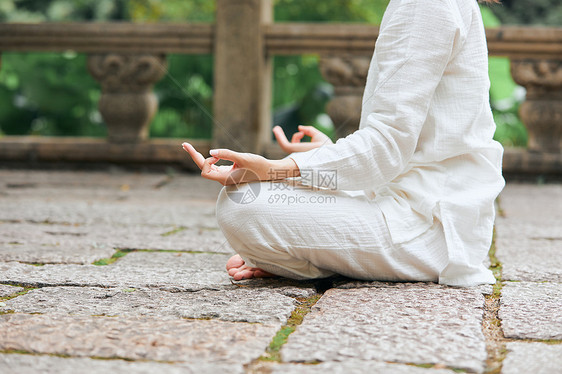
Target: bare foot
238, 269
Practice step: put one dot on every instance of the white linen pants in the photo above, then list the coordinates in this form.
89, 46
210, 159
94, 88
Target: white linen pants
304, 233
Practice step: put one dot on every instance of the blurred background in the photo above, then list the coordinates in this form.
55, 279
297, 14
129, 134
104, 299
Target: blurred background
52, 94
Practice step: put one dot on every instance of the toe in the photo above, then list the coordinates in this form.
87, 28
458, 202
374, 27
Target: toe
259, 273
234, 262
233, 271
244, 274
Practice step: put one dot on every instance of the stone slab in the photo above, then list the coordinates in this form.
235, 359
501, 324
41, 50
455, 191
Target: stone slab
346, 283
354, 367
531, 310
532, 202
126, 212
407, 323
162, 270
536, 358
529, 251
527, 228
176, 279
47, 244
81, 183
530, 260
155, 339
13, 180
6, 290
199, 262
261, 305
84, 244
33, 364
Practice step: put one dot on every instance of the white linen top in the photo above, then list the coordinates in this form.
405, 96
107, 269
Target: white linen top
424, 148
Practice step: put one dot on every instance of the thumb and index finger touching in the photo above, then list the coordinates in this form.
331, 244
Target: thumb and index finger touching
217, 154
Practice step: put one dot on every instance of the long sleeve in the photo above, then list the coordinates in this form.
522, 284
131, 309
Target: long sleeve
416, 41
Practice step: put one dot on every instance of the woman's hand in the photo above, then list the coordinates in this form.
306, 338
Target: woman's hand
317, 139
246, 167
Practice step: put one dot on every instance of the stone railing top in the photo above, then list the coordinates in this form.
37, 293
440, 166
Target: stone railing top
359, 39
280, 38
107, 37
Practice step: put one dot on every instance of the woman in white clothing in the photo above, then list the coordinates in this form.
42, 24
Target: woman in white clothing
409, 196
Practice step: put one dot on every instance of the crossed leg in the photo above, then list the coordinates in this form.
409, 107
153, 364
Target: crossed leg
322, 233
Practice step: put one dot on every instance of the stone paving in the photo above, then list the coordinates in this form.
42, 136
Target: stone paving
123, 272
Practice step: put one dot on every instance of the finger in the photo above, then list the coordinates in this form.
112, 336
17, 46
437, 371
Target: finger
300, 147
196, 156
280, 136
206, 169
309, 130
284, 142
297, 137
226, 154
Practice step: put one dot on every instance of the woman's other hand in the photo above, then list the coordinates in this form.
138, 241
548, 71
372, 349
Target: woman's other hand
317, 139
246, 167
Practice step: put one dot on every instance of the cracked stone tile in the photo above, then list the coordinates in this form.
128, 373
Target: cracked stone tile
175, 279
198, 262
47, 244
529, 251
156, 339
531, 310
133, 211
521, 228
354, 367
408, 323
346, 283
32, 364
34, 179
261, 305
6, 290
106, 183
532, 203
165, 271
536, 358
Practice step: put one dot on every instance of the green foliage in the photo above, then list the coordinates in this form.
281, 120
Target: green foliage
176, 11
186, 99
370, 11
52, 94
505, 95
530, 12
299, 91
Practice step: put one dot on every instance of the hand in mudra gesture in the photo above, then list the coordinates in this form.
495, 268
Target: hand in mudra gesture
249, 167
317, 139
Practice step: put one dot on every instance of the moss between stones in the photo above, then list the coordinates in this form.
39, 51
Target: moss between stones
491, 323
120, 252
435, 366
117, 255
26, 289
174, 231
297, 316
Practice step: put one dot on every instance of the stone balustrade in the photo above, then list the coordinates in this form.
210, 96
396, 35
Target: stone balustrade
128, 59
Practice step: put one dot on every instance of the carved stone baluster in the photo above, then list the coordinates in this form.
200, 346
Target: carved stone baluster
348, 75
127, 103
542, 111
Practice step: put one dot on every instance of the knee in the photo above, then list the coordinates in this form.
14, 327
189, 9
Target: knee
224, 208
237, 206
